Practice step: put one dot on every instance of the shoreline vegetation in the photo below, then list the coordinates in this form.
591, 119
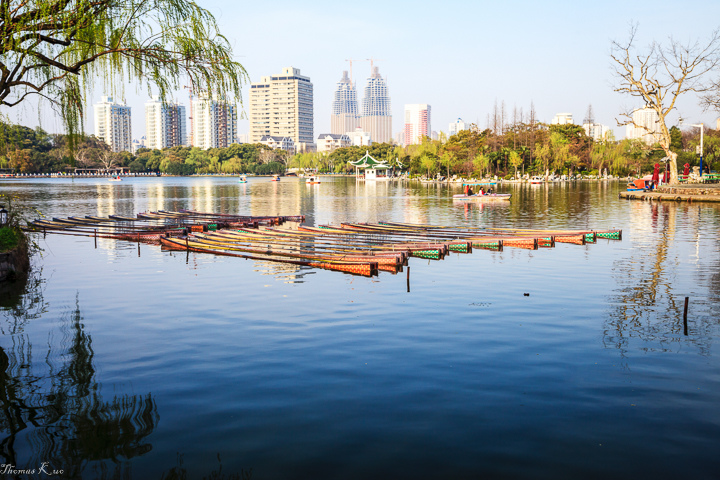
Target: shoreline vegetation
515, 150
15, 247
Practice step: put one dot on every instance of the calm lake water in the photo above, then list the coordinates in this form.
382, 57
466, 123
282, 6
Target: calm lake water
116, 365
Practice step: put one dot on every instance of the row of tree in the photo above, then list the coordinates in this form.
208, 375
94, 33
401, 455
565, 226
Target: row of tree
517, 148
521, 147
25, 150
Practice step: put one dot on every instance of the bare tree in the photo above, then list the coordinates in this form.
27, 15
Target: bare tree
660, 75
107, 158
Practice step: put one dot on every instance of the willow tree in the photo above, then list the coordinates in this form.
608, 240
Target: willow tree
59, 49
660, 75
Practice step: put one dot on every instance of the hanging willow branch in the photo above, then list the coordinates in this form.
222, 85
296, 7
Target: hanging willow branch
58, 49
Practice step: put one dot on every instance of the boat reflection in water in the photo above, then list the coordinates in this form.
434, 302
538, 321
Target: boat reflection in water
53, 413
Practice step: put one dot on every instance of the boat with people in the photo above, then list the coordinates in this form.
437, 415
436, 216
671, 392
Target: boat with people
276, 178
483, 197
115, 179
243, 179
537, 180
312, 180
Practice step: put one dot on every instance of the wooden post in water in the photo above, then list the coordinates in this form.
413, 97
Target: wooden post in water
96, 238
687, 299
408, 279
187, 249
138, 244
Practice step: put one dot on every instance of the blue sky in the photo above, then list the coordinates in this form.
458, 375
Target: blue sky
459, 57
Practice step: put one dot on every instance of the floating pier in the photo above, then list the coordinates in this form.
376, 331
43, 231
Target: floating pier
356, 248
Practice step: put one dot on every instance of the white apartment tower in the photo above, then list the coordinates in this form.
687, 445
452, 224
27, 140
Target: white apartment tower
165, 125
344, 116
112, 124
214, 123
282, 106
596, 131
645, 126
417, 123
376, 115
562, 119
456, 127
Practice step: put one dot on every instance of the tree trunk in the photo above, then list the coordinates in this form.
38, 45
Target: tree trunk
673, 169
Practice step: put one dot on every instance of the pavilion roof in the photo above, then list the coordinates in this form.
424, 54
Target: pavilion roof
368, 162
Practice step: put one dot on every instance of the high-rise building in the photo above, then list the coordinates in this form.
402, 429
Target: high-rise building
562, 119
344, 116
417, 123
645, 126
113, 125
596, 131
282, 106
456, 127
376, 116
165, 125
214, 123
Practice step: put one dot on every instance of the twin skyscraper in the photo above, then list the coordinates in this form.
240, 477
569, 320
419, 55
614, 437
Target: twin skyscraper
376, 115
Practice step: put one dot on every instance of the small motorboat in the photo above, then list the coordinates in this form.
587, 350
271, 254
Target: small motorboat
537, 180
312, 180
115, 179
243, 179
276, 178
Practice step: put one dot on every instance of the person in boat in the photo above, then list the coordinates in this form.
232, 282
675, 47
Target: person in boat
686, 169
467, 189
490, 191
481, 192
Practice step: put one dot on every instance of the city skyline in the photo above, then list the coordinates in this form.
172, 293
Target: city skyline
552, 55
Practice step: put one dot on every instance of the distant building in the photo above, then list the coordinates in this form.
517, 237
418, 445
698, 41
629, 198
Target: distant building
645, 126
214, 123
400, 138
243, 138
344, 116
358, 138
596, 131
456, 127
113, 124
137, 145
417, 123
329, 142
283, 143
562, 119
376, 116
165, 125
282, 106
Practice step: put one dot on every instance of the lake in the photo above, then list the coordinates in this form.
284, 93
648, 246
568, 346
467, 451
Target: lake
566, 362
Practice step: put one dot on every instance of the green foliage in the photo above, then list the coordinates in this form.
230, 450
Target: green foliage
676, 143
58, 49
9, 238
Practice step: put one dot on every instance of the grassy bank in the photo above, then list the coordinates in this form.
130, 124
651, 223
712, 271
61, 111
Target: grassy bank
9, 238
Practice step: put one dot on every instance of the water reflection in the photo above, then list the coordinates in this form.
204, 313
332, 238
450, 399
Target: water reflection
52, 410
21, 301
648, 308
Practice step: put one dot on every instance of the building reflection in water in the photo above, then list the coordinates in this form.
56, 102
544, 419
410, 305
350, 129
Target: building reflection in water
647, 312
59, 416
